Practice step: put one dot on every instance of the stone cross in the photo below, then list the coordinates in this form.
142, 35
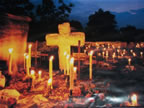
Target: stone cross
64, 40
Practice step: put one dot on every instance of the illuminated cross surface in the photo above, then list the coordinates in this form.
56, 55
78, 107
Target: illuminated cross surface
64, 40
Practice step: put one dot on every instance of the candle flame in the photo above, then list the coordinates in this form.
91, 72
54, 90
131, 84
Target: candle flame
51, 58
75, 69
67, 56
134, 100
27, 56
49, 81
30, 45
65, 53
10, 50
134, 54
32, 72
72, 60
39, 72
91, 53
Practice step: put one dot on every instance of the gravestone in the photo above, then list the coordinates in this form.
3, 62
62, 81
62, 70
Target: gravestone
64, 40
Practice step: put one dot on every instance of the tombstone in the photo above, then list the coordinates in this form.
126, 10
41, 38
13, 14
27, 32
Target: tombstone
64, 40
13, 34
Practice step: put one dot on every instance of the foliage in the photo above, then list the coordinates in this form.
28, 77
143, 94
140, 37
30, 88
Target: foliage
17, 7
76, 25
100, 23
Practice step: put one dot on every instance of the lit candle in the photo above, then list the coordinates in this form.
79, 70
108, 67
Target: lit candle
33, 74
71, 73
134, 54
10, 60
39, 74
90, 65
141, 53
25, 60
33, 77
103, 53
107, 55
51, 69
67, 64
129, 61
27, 65
113, 56
29, 53
49, 83
131, 51
75, 73
134, 100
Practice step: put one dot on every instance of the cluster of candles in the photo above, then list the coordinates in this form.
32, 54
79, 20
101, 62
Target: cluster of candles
70, 70
116, 52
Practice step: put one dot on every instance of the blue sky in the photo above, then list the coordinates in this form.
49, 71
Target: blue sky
121, 8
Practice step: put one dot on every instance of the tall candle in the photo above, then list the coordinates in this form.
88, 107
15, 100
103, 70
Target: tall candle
33, 77
71, 73
113, 56
39, 74
65, 59
49, 82
27, 65
67, 64
134, 100
90, 64
75, 73
129, 61
107, 55
29, 53
10, 60
51, 69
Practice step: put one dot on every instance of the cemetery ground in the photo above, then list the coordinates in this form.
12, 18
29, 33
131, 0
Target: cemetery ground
114, 82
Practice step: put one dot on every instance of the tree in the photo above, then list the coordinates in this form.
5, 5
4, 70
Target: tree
17, 7
128, 33
76, 25
50, 13
100, 23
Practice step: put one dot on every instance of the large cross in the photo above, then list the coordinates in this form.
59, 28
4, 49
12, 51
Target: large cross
64, 40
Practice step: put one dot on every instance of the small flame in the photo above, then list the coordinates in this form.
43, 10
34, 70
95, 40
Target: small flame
49, 81
134, 54
30, 45
39, 72
67, 56
75, 69
32, 72
72, 60
10, 50
27, 56
141, 53
129, 59
91, 53
51, 58
134, 100
65, 53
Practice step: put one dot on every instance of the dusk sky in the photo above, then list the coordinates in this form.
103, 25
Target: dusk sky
126, 11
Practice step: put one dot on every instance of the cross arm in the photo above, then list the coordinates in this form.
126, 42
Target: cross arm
75, 37
52, 39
